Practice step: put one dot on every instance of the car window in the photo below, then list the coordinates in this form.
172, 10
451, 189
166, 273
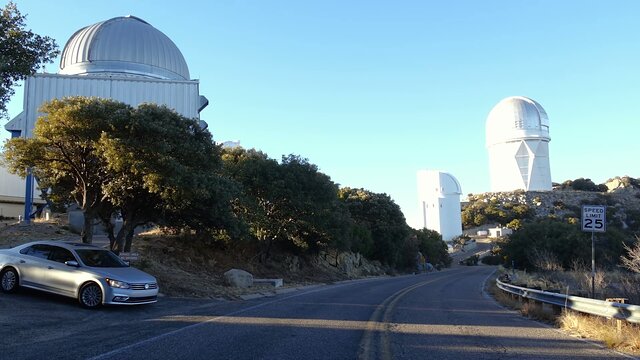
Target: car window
38, 250
100, 258
60, 255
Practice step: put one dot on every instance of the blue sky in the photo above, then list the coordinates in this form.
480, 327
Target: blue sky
372, 91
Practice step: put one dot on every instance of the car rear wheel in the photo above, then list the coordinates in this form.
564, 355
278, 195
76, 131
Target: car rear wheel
90, 296
9, 280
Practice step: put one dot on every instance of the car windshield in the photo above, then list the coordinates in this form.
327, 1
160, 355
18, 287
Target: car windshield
100, 258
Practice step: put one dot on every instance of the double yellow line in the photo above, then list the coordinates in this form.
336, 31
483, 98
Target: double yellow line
380, 324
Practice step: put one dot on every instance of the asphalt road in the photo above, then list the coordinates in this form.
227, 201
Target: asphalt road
442, 315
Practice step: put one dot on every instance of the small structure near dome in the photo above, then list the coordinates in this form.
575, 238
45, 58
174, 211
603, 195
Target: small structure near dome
518, 145
498, 232
439, 195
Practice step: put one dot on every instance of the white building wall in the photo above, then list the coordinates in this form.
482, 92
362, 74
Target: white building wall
181, 96
439, 199
520, 164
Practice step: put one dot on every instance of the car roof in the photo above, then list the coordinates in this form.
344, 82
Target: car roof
65, 244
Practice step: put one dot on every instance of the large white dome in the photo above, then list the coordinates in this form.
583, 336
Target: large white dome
123, 46
516, 117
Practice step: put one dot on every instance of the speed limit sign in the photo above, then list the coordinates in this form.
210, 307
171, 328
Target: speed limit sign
594, 218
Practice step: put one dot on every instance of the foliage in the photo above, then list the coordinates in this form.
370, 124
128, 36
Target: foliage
289, 204
144, 164
492, 259
62, 152
431, 245
479, 212
22, 52
548, 243
544, 235
166, 170
471, 260
383, 220
631, 260
582, 184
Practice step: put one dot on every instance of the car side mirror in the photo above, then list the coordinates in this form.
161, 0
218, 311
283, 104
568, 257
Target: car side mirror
72, 263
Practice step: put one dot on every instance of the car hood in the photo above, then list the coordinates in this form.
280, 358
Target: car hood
127, 274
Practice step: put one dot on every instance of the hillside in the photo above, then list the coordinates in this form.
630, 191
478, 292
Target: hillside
622, 198
188, 267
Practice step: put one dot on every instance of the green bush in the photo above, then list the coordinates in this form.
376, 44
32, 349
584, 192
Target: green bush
492, 260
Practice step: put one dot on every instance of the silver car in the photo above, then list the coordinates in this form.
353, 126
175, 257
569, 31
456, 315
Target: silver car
93, 275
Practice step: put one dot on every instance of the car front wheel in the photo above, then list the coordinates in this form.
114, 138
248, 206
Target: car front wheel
9, 280
90, 296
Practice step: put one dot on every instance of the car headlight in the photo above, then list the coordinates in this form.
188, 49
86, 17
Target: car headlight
118, 284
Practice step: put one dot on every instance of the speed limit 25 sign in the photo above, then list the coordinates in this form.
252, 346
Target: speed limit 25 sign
594, 218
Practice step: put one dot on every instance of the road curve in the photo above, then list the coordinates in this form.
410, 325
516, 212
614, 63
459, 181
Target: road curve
442, 315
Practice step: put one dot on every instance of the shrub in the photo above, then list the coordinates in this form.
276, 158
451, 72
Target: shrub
492, 260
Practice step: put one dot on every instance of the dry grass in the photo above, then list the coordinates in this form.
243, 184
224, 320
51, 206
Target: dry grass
627, 339
595, 328
529, 309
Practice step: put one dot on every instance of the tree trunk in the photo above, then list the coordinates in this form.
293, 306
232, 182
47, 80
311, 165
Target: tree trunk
118, 244
129, 239
110, 227
87, 229
123, 240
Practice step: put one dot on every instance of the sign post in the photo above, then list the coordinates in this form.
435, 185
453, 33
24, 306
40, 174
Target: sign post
594, 219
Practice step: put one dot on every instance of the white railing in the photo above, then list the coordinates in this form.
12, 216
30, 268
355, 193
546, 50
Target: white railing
616, 310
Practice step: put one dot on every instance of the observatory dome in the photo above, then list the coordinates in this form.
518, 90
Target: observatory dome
449, 185
123, 46
516, 117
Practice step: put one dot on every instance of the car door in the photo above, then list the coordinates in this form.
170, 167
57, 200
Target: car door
32, 265
61, 278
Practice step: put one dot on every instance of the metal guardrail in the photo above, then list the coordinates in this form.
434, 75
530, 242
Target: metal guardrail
628, 312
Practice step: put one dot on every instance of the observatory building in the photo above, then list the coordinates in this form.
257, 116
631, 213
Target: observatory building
518, 145
439, 196
124, 59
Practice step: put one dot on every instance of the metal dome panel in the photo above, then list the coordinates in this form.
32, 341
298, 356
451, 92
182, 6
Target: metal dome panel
125, 46
516, 117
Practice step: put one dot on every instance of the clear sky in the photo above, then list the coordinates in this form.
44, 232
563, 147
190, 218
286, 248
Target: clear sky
372, 91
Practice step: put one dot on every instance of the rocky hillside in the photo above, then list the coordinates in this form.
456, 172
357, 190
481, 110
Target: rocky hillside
622, 199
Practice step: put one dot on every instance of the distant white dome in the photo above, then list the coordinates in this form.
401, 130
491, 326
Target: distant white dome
449, 185
516, 117
123, 46
518, 146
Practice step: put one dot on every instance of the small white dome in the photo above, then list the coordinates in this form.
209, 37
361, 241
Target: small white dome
124, 46
516, 117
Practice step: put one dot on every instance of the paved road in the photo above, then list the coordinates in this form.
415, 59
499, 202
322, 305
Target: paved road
442, 315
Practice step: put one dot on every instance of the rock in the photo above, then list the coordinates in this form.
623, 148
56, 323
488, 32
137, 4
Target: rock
293, 263
238, 278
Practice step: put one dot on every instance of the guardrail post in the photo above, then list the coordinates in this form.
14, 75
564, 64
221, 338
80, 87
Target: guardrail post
618, 321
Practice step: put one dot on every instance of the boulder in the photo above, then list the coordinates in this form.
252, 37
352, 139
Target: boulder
238, 278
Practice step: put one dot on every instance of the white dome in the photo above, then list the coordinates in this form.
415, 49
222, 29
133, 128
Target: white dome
516, 117
124, 46
449, 185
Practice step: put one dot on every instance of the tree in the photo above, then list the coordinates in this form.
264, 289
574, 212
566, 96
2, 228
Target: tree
165, 169
290, 204
430, 243
582, 184
563, 240
383, 220
22, 52
63, 155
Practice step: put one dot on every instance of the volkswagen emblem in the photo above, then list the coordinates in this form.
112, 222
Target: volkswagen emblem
146, 286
